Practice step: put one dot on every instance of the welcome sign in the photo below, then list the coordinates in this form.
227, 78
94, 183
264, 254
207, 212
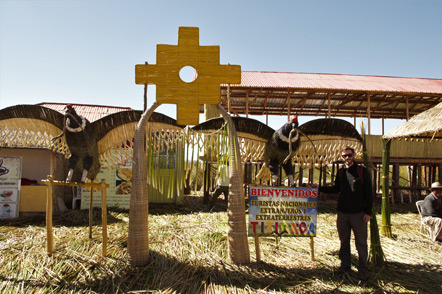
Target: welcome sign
282, 211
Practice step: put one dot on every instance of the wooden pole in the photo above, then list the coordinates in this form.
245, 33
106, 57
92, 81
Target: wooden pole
408, 107
329, 105
300, 178
104, 217
145, 92
247, 104
383, 128
369, 112
228, 98
312, 248
49, 231
439, 172
288, 106
91, 208
324, 177
419, 181
257, 249
396, 187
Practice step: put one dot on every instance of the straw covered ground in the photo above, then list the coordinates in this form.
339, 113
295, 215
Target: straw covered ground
188, 254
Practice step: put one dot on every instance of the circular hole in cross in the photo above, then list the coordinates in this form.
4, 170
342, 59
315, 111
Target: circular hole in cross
188, 74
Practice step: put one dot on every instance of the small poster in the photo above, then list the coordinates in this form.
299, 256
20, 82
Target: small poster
10, 180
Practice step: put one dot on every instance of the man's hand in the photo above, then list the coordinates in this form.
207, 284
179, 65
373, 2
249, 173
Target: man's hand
366, 218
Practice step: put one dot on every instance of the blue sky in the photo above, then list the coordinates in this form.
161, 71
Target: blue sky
85, 51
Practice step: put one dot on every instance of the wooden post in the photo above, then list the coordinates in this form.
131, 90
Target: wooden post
91, 208
257, 249
439, 172
329, 105
396, 187
206, 180
414, 181
324, 172
419, 181
369, 112
409, 178
383, 127
49, 231
104, 217
310, 175
145, 93
288, 106
300, 176
312, 248
228, 98
247, 104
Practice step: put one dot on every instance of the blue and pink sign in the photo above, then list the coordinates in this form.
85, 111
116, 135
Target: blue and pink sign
282, 211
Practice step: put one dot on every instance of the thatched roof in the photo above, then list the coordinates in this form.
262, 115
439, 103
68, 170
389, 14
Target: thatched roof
425, 126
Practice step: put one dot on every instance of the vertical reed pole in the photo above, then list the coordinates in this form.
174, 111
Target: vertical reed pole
386, 217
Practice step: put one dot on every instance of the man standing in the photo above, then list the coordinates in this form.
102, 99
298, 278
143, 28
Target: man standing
432, 211
353, 182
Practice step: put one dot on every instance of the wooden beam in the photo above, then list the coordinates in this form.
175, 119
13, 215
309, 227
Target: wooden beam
329, 105
288, 105
247, 105
228, 98
369, 113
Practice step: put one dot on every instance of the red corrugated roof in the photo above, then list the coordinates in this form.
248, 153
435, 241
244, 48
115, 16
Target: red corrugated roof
90, 112
339, 82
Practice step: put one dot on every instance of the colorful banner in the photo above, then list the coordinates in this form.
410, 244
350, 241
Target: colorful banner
282, 211
10, 180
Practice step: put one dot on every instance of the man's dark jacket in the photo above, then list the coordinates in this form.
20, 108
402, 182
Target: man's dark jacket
359, 200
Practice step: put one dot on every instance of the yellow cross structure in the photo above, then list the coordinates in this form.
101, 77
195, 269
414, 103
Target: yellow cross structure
205, 89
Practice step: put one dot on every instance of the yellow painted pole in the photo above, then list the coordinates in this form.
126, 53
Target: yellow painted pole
104, 216
49, 232
312, 247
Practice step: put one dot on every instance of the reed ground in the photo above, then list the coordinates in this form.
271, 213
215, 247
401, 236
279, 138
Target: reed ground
189, 254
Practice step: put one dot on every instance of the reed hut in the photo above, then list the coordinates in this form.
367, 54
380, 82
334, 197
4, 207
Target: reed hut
422, 127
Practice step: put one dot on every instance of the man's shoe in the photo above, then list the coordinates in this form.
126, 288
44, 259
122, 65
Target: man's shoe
362, 276
342, 270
